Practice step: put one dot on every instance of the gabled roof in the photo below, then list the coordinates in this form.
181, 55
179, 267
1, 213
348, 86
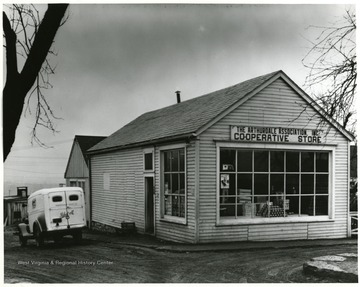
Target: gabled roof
85, 142
184, 118
192, 117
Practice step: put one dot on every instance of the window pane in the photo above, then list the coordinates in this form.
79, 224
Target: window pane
227, 160
307, 205
227, 210
321, 205
261, 184
322, 183
182, 160
293, 203
307, 184
167, 161
273, 183
227, 194
292, 184
292, 161
175, 183
168, 204
227, 184
322, 162
182, 183
276, 183
276, 161
175, 208
244, 206
224, 198
182, 206
261, 208
307, 161
175, 205
261, 161
175, 160
167, 183
244, 184
245, 160
148, 161
277, 200
277, 207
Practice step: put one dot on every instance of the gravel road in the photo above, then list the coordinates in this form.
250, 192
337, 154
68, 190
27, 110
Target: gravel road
95, 261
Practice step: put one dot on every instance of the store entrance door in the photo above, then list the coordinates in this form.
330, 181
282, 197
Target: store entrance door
149, 205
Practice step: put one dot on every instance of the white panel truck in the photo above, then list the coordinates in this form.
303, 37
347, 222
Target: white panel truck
54, 213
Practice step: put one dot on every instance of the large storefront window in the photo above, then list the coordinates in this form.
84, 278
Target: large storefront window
174, 182
262, 183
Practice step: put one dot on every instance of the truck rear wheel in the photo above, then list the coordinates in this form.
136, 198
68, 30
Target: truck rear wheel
39, 238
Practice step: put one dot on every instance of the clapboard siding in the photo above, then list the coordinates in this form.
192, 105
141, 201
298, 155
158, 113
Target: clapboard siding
125, 199
277, 232
174, 231
276, 105
77, 167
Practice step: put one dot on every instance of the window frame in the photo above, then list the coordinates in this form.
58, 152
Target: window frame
152, 152
163, 216
330, 149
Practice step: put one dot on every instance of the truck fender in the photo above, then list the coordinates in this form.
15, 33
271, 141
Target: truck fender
40, 221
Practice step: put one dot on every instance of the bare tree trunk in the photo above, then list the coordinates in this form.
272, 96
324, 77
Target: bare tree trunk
19, 84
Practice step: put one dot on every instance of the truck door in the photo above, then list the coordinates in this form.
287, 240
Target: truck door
75, 207
57, 210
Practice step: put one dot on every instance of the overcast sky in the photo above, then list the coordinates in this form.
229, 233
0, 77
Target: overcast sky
116, 62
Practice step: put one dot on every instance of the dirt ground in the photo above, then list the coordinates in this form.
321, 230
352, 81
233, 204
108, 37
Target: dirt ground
95, 261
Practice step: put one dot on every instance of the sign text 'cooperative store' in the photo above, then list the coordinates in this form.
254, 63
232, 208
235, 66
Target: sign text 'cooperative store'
267, 134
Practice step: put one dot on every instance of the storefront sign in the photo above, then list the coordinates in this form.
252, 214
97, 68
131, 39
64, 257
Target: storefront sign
279, 134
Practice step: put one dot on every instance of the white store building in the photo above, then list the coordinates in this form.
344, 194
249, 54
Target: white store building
254, 161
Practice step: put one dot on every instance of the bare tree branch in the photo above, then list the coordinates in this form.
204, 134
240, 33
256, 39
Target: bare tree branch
332, 64
32, 38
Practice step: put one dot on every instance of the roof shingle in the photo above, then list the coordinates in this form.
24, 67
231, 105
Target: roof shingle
183, 118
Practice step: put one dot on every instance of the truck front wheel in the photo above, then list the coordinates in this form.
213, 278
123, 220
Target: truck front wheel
22, 239
39, 238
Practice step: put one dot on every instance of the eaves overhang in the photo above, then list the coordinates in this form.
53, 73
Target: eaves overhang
176, 138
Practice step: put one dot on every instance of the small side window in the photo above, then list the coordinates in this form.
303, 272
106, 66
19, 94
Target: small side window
148, 161
73, 197
33, 203
57, 198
